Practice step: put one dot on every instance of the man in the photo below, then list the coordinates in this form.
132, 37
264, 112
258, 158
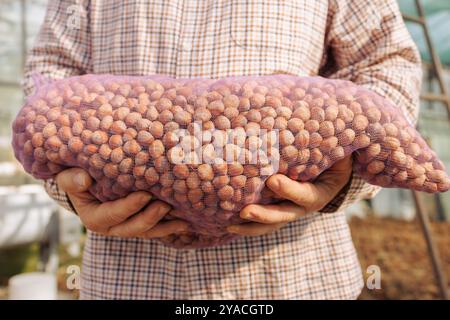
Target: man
290, 250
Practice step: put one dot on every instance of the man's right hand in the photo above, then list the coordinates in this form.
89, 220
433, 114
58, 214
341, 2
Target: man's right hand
131, 216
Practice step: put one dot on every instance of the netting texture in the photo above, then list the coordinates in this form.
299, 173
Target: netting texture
207, 146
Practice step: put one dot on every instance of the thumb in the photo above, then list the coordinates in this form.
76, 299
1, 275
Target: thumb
74, 180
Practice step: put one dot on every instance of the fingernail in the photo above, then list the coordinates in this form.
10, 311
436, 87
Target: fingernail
246, 215
79, 180
163, 209
146, 197
232, 229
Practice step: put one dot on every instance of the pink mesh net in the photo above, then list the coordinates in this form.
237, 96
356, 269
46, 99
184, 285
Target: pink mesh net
207, 146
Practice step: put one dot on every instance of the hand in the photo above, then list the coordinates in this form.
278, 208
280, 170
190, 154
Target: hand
131, 216
304, 198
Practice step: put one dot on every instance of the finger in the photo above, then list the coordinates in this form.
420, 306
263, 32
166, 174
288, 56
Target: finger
270, 214
74, 180
111, 213
305, 194
142, 221
254, 229
165, 228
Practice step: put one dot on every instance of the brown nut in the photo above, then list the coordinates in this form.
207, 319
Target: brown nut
375, 167
156, 149
302, 112
207, 187
391, 143
302, 139
360, 123
257, 100
346, 137
312, 126
165, 116
157, 129
195, 196
373, 114
326, 129
105, 151
143, 137
251, 171
220, 168
253, 115
361, 141
151, 176
295, 125
329, 144
131, 147
166, 179
235, 169
216, 107
126, 165
231, 113
53, 143
193, 181
289, 153
139, 172
205, 172
253, 184
179, 186
49, 130
183, 118
315, 139
286, 138
238, 182
99, 137
315, 155
331, 113
337, 153
390, 129
280, 123
220, 181
231, 101
111, 170
294, 172
225, 193
222, 123
181, 171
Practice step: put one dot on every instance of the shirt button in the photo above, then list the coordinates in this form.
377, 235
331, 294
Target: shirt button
186, 46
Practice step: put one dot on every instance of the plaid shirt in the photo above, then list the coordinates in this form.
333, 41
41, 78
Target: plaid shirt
313, 258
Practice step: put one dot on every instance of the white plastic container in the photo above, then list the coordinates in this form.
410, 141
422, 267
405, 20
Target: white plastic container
33, 286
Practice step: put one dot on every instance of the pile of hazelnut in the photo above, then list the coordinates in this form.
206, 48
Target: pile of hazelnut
207, 146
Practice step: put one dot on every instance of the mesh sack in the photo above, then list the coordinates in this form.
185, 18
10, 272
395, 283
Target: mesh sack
207, 146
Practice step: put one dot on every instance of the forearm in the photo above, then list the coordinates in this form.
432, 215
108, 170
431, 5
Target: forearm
370, 46
59, 51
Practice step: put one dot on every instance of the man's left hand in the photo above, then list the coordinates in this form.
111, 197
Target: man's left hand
302, 198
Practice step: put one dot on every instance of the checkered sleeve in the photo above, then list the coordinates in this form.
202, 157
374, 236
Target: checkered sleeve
369, 44
61, 50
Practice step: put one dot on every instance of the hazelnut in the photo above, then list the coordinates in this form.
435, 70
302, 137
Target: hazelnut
205, 172
156, 149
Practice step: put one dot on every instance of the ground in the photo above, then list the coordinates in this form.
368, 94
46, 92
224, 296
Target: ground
399, 249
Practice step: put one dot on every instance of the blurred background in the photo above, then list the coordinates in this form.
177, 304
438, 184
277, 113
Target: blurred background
406, 235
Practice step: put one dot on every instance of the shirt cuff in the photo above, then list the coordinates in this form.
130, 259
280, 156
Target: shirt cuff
58, 195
